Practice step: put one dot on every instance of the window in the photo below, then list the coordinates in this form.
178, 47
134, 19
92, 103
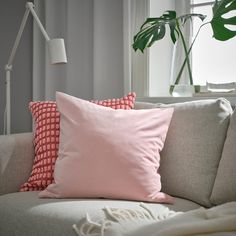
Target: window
212, 60
160, 54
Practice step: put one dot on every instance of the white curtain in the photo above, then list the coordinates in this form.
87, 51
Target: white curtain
136, 63
93, 33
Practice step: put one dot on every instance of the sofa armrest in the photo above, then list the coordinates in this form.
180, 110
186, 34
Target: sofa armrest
16, 160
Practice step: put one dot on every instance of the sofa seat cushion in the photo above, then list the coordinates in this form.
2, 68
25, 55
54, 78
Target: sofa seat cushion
24, 213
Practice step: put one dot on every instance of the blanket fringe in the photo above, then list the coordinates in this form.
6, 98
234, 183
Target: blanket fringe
117, 214
91, 228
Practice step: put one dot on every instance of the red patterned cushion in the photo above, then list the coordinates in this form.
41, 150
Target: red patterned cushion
46, 138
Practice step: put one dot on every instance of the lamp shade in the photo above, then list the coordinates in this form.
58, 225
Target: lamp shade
57, 51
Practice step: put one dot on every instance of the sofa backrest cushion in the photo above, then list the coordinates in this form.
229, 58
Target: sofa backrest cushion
224, 189
16, 160
193, 147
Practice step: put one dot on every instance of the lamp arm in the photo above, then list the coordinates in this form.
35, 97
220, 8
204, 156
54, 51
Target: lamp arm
7, 113
8, 68
18, 37
30, 6
56, 47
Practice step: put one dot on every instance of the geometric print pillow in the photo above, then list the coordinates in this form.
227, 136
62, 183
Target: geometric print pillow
46, 138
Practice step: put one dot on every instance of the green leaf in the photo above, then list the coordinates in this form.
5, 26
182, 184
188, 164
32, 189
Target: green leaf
158, 35
169, 15
147, 36
174, 34
154, 29
219, 23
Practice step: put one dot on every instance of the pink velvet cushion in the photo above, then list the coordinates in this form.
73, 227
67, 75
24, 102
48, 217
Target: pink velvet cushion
109, 153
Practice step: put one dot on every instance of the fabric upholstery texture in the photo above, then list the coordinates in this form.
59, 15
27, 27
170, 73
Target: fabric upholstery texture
224, 189
25, 214
193, 148
109, 153
16, 160
144, 105
46, 138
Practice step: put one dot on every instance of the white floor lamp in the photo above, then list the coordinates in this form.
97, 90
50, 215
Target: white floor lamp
57, 54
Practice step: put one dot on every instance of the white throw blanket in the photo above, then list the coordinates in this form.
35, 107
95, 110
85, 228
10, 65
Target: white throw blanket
217, 221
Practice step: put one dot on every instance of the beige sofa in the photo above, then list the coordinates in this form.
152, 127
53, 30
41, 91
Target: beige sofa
197, 167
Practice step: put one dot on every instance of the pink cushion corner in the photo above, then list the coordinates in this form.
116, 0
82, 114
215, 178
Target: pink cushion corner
46, 138
109, 153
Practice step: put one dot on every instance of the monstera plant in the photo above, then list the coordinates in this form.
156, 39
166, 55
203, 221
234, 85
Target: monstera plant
154, 29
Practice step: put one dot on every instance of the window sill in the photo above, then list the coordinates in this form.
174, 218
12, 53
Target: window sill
197, 96
215, 94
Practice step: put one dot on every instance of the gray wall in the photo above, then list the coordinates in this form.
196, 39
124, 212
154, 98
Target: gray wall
108, 49
11, 13
79, 42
